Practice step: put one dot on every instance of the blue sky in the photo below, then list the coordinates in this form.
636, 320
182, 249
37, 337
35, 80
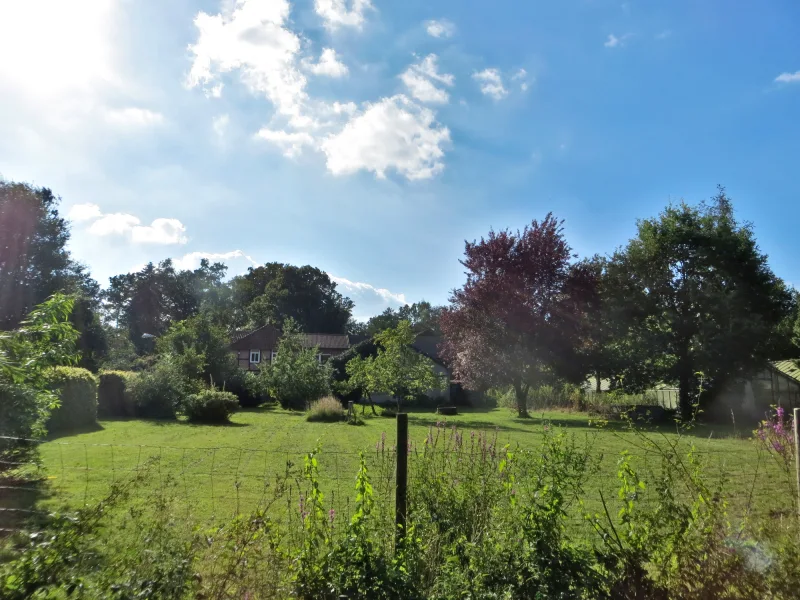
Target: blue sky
370, 138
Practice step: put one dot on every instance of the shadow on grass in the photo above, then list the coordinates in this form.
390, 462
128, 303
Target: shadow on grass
203, 424
78, 430
22, 486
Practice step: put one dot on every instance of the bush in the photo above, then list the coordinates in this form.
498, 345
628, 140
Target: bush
158, 392
246, 387
327, 409
77, 392
210, 406
20, 407
113, 396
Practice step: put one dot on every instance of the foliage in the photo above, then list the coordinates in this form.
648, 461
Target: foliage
697, 296
422, 316
77, 395
546, 397
44, 339
340, 380
775, 436
210, 406
327, 409
397, 369
158, 392
34, 261
114, 398
521, 315
92, 344
273, 293
295, 377
121, 354
149, 301
201, 349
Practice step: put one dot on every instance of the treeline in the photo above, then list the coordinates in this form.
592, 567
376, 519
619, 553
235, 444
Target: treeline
689, 301
118, 325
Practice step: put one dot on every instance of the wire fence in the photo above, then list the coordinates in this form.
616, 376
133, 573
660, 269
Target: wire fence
217, 483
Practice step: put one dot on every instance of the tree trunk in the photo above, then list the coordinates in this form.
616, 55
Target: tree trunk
521, 393
598, 385
685, 383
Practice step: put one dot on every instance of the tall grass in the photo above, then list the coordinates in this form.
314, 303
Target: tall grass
327, 409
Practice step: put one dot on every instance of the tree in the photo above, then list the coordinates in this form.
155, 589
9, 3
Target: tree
698, 298
397, 369
149, 301
35, 264
276, 292
45, 339
201, 348
422, 316
295, 377
520, 318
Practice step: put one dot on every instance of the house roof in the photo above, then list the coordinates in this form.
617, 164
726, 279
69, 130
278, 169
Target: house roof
338, 341
266, 337
790, 368
428, 345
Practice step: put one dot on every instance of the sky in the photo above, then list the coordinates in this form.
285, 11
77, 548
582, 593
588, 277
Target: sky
372, 138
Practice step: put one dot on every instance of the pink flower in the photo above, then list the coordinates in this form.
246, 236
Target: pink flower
331, 515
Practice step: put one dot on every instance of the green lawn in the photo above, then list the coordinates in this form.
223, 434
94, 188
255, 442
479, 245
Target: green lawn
216, 470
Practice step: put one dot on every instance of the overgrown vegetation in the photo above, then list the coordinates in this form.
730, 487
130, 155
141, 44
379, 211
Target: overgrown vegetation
210, 406
484, 521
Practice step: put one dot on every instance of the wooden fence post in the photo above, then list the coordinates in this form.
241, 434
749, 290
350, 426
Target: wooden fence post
797, 453
401, 491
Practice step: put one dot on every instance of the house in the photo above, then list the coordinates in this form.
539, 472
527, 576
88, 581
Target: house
259, 346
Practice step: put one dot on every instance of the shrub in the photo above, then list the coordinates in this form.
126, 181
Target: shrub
113, 396
325, 409
210, 406
246, 386
158, 392
77, 392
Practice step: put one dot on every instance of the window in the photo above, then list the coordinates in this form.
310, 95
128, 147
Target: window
323, 357
274, 354
255, 356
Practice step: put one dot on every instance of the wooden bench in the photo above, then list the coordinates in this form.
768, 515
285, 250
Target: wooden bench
447, 410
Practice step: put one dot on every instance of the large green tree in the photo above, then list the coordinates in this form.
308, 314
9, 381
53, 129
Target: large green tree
147, 302
421, 315
698, 299
275, 292
35, 264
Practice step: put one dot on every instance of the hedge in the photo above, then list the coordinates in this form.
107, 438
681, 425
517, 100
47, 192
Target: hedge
113, 396
77, 390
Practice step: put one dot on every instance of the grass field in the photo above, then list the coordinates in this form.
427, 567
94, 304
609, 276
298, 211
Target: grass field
215, 471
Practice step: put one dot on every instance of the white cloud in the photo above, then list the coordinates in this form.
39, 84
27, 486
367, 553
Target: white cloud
253, 39
419, 79
290, 142
239, 259
521, 75
335, 14
220, 125
84, 212
357, 288
616, 42
392, 133
160, 231
788, 77
440, 28
328, 65
664, 34
491, 83
133, 117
